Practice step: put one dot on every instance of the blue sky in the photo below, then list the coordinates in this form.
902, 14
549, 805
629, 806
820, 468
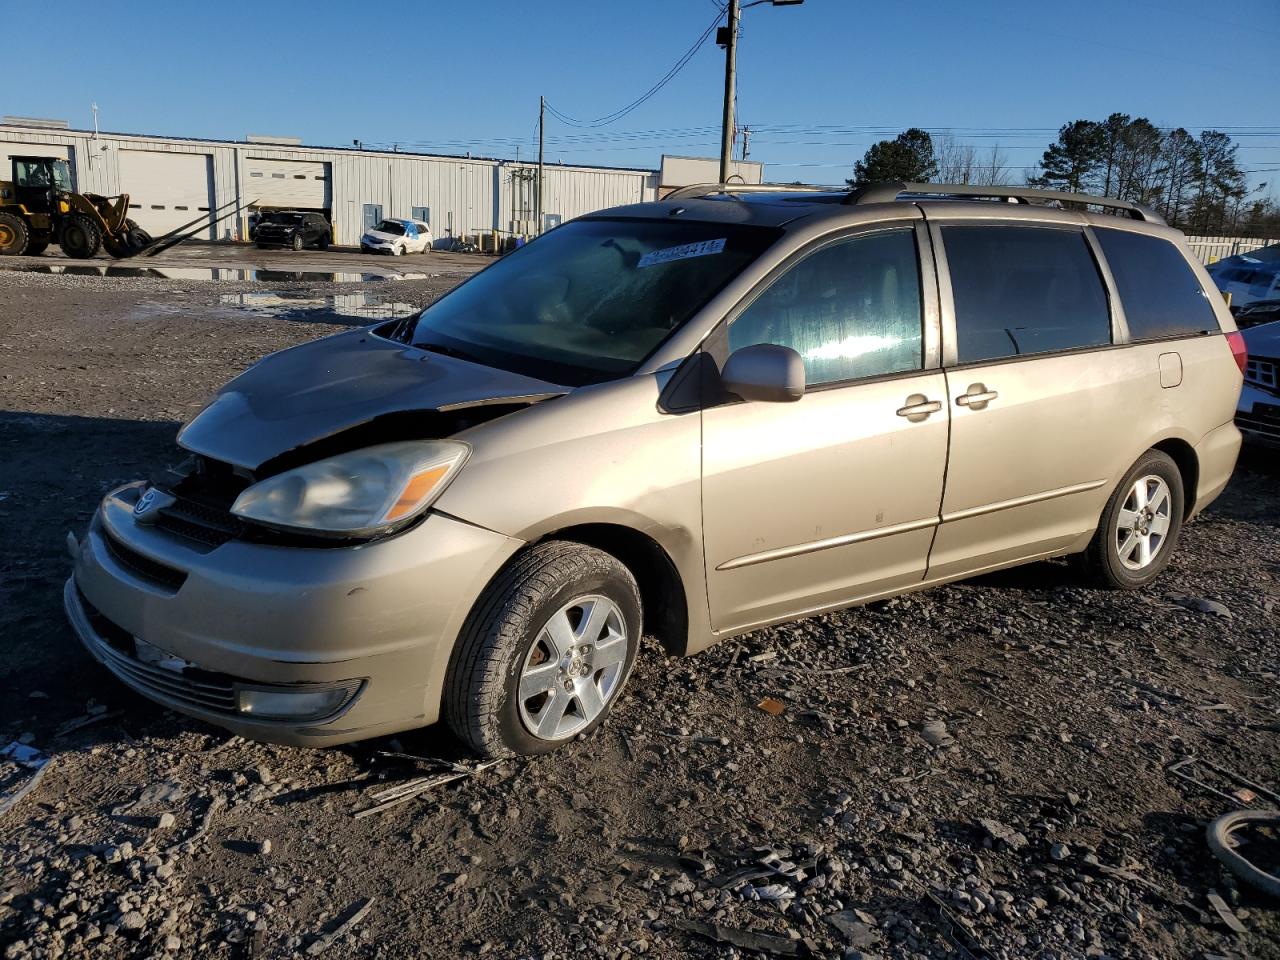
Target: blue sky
819, 82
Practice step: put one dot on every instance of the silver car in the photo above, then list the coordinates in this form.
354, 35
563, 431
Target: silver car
686, 419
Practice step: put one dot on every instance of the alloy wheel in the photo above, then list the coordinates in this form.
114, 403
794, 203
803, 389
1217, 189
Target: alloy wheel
1142, 522
573, 669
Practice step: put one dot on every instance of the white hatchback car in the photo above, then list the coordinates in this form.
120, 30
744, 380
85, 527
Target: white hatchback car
397, 237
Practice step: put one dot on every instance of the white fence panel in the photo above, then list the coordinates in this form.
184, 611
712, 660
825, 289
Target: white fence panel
1211, 249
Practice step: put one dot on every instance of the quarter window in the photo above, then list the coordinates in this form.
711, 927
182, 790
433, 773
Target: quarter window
1024, 290
851, 310
1159, 291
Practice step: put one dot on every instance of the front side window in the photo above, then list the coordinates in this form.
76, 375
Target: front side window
1160, 294
1022, 290
590, 301
851, 309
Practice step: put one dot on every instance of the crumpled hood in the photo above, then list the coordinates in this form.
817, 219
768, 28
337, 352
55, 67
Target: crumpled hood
379, 235
313, 391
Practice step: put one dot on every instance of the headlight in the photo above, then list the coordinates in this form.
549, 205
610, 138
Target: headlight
358, 493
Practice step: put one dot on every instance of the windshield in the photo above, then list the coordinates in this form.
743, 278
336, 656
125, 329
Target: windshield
590, 300
391, 226
62, 175
285, 218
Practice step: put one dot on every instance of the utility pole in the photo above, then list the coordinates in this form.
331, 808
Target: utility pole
730, 76
542, 124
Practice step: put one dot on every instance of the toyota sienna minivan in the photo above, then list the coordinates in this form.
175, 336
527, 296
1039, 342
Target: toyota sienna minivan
686, 419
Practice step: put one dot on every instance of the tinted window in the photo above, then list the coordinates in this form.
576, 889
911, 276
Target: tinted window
1160, 294
852, 309
589, 301
1021, 290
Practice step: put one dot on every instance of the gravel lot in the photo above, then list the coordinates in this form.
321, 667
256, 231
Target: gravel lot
975, 772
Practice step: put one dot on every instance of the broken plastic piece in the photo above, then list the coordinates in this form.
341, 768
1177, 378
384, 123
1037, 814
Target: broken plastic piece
771, 706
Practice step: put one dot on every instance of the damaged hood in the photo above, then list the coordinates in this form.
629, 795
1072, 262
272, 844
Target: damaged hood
307, 393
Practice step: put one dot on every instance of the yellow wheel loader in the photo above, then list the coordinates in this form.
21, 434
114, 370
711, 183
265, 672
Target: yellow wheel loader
38, 207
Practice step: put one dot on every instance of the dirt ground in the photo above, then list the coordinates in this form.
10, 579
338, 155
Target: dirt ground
975, 772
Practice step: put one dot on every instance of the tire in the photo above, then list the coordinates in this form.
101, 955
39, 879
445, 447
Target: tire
297, 243
1135, 539
260, 245
15, 238
506, 638
80, 237
323, 242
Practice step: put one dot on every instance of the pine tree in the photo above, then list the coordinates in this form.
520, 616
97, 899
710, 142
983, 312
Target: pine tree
908, 157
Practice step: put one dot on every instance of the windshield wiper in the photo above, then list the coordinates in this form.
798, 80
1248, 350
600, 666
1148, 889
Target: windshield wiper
440, 348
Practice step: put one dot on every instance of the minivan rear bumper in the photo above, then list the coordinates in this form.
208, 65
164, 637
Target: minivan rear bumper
1216, 455
377, 620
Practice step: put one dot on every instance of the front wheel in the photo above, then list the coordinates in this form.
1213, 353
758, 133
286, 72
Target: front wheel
80, 237
546, 651
297, 241
323, 242
1139, 527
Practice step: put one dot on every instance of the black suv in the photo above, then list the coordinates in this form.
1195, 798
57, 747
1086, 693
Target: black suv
292, 228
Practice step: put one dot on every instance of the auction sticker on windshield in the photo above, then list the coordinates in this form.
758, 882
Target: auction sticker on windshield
683, 252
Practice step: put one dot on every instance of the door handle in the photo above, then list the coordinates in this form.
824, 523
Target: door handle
919, 407
976, 397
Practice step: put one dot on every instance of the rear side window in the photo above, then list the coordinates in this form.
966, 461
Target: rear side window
1160, 294
851, 309
1024, 290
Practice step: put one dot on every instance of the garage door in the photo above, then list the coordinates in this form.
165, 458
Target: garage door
297, 184
167, 190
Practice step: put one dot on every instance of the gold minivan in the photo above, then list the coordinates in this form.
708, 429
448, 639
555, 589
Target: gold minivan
689, 419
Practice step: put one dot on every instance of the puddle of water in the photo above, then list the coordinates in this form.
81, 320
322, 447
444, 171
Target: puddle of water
367, 307
214, 273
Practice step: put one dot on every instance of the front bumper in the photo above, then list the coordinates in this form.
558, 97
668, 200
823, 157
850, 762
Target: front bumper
384, 614
1258, 416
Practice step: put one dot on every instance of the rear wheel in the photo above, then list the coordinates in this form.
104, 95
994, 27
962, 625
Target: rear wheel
1139, 527
15, 239
80, 237
546, 651
323, 242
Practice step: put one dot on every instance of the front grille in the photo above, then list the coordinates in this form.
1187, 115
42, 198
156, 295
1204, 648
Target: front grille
144, 568
200, 689
203, 523
1263, 371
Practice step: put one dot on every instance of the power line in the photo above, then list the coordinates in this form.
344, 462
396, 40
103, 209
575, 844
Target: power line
667, 78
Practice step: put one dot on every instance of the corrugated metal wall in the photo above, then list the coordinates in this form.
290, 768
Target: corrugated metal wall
464, 196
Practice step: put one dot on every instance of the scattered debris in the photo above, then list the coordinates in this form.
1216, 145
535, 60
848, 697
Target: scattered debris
404, 792
357, 912
1224, 913
744, 939
1203, 605
29, 767
772, 707
1003, 833
216, 803
79, 723
934, 733
1219, 836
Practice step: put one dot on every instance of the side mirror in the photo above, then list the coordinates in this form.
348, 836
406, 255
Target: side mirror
764, 371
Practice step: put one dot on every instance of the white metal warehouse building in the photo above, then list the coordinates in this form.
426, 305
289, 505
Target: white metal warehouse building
171, 181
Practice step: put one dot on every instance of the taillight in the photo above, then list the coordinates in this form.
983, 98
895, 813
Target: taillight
1238, 349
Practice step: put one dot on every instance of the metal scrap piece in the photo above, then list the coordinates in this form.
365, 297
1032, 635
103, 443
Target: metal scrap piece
325, 942
746, 939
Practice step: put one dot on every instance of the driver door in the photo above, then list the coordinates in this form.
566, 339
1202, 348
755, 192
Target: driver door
835, 497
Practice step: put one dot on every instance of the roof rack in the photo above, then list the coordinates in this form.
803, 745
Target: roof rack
711, 189
891, 191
